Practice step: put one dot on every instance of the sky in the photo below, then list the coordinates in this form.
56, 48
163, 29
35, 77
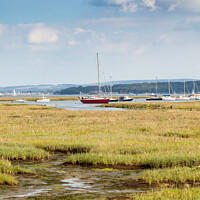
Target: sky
56, 41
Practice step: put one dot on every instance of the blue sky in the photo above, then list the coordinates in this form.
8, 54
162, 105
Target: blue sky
56, 41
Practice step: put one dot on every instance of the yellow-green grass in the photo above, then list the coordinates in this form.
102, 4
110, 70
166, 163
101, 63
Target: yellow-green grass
167, 194
15, 151
7, 168
6, 179
120, 132
176, 175
192, 105
7, 171
158, 138
147, 160
59, 98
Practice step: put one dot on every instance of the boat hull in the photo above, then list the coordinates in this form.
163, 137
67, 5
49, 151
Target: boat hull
113, 100
126, 100
94, 101
154, 99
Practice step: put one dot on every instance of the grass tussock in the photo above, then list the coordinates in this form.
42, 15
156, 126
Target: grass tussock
22, 152
166, 194
7, 171
6, 179
176, 175
154, 137
62, 147
157, 106
155, 160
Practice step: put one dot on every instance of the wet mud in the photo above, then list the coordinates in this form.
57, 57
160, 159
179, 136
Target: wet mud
56, 180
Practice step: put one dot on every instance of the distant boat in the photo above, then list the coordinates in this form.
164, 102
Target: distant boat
18, 101
155, 96
154, 99
125, 98
43, 100
93, 99
184, 98
14, 93
111, 99
168, 97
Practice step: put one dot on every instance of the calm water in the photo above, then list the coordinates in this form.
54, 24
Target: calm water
77, 105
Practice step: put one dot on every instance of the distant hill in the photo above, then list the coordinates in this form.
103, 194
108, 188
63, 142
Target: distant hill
136, 88
59, 87
149, 81
36, 88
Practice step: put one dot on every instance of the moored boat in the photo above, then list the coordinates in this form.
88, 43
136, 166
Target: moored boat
125, 98
43, 100
18, 101
113, 100
93, 99
154, 99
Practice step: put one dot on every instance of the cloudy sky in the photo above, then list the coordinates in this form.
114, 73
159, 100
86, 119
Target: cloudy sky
56, 41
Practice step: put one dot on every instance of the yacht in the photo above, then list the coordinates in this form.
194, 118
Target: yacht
43, 100
125, 98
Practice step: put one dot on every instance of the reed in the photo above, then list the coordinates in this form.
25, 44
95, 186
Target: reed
193, 105
7, 171
15, 151
6, 179
149, 138
167, 194
176, 175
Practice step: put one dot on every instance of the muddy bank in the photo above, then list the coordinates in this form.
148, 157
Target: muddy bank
53, 180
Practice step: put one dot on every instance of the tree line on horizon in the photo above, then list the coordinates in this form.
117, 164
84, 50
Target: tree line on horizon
136, 88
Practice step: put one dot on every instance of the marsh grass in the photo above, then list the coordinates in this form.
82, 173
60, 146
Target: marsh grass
7, 168
6, 179
193, 105
7, 171
167, 194
64, 147
14, 151
147, 160
176, 175
148, 138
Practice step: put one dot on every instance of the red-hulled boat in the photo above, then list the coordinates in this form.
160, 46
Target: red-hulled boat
93, 99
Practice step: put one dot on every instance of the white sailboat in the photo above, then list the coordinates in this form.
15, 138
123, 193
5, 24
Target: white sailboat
168, 98
111, 99
185, 98
14, 93
94, 99
43, 100
155, 96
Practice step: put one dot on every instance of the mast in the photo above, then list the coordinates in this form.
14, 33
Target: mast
169, 86
98, 75
156, 86
184, 87
110, 87
193, 87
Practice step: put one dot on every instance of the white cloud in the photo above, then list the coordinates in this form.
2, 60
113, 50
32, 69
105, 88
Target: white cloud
193, 20
72, 43
165, 5
172, 7
150, 3
164, 38
2, 29
41, 34
182, 5
141, 50
81, 30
